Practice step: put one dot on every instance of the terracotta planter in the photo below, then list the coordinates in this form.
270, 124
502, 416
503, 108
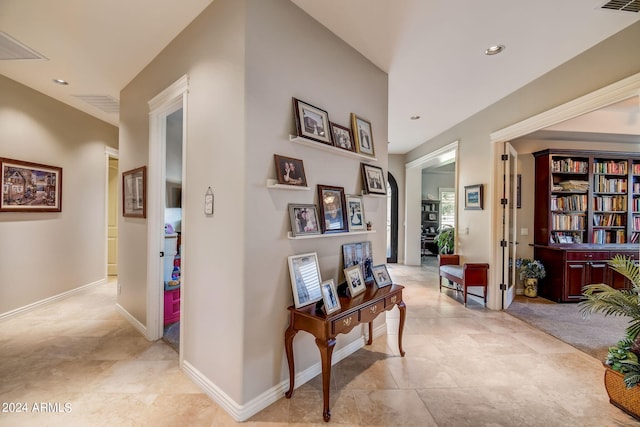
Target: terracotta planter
531, 287
627, 399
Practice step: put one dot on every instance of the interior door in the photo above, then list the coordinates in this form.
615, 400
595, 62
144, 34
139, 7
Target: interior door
509, 215
112, 219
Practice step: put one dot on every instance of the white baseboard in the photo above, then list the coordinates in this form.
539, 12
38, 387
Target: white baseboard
134, 322
242, 413
38, 304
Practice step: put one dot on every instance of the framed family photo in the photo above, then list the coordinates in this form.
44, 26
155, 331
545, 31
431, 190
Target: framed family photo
290, 171
305, 279
361, 255
355, 281
30, 187
355, 213
342, 137
362, 135
330, 297
134, 193
304, 219
473, 196
311, 122
373, 179
381, 275
333, 211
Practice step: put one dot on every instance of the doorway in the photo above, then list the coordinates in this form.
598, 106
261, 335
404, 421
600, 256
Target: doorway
392, 219
112, 213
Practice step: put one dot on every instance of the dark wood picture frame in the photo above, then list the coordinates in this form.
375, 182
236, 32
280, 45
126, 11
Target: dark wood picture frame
30, 187
373, 179
362, 135
473, 197
342, 137
290, 171
134, 193
311, 122
333, 209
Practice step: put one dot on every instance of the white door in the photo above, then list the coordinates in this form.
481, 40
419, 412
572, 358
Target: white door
509, 214
112, 219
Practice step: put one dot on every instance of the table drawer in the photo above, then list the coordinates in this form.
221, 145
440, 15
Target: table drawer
627, 254
587, 256
344, 324
367, 314
392, 300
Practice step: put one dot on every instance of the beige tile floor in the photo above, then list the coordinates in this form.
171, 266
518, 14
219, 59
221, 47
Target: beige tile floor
463, 367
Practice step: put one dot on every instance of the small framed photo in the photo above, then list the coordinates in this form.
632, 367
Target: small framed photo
473, 196
355, 213
305, 279
373, 179
362, 135
381, 275
134, 193
330, 297
290, 171
361, 255
355, 281
304, 219
30, 187
333, 211
311, 122
432, 217
342, 137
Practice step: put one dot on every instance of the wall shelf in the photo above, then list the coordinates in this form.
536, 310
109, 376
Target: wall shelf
272, 183
330, 148
315, 236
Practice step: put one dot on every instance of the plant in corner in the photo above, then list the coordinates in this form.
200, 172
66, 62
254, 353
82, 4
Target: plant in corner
445, 239
622, 376
530, 272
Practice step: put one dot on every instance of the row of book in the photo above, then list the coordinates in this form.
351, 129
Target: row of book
602, 237
611, 167
564, 237
569, 165
635, 169
568, 221
610, 203
614, 185
576, 202
609, 220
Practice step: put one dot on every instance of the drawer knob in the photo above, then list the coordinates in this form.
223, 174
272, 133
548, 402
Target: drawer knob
374, 308
347, 321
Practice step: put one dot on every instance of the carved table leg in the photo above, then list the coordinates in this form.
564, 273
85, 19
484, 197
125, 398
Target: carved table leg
288, 345
403, 311
326, 350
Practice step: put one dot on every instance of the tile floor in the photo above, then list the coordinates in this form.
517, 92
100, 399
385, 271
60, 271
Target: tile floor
463, 367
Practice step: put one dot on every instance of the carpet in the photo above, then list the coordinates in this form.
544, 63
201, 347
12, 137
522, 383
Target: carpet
593, 335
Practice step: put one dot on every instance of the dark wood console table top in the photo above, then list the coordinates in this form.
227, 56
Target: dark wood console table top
363, 308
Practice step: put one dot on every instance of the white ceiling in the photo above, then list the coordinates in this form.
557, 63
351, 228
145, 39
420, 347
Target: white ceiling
433, 50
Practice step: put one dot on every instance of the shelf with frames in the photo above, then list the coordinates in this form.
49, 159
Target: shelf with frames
331, 148
317, 236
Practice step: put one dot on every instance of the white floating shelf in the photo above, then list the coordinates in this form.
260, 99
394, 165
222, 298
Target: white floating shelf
373, 195
315, 236
273, 183
332, 149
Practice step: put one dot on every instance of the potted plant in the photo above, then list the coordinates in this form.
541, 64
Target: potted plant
530, 272
622, 373
445, 239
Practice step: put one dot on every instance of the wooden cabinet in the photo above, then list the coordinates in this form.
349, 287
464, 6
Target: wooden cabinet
587, 209
430, 224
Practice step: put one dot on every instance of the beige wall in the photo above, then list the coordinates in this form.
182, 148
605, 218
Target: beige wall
245, 60
46, 254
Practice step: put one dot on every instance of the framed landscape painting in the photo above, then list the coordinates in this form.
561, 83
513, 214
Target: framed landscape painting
30, 187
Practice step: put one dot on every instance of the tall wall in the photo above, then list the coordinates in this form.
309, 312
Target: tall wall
46, 254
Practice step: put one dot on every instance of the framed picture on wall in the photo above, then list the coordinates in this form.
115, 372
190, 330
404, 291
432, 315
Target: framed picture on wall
473, 197
342, 137
373, 179
290, 171
362, 135
355, 213
304, 219
311, 122
333, 210
30, 187
134, 193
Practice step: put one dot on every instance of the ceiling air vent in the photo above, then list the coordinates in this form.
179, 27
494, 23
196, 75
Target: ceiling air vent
101, 102
623, 5
12, 49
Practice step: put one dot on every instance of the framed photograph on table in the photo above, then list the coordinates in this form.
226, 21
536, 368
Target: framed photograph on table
355, 213
311, 122
355, 281
330, 297
359, 254
373, 179
290, 171
342, 137
304, 219
473, 197
381, 275
362, 135
134, 193
30, 187
305, 279
333, 211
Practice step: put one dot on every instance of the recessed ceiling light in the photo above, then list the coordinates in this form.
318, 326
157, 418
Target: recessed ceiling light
494, 50
60, 82
414, 117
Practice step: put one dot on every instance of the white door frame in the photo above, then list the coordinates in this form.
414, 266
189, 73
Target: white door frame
413, 197
162, 105
109, 153
615, 92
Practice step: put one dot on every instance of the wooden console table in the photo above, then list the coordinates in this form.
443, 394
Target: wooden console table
363, 308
